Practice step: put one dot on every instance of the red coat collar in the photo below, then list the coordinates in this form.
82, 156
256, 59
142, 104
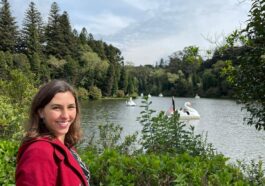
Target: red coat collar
61, 151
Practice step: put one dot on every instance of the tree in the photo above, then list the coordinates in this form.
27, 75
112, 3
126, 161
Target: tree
32, 31
255, 27
248, 76
123, 83
67, 44
6, 63
109, 81
83, 36
8, 28
53, 33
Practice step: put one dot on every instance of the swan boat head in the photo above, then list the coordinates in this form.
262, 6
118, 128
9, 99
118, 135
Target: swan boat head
188, 112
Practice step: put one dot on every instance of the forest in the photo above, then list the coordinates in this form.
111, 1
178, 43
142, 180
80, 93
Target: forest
37, 52
56, 50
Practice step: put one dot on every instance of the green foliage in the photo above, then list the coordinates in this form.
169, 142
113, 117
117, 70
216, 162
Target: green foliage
15, 98
32, 32
166, 134
254, 172
20, 88
20, 61
8, 151
112, 168
8, 28
120, 93
109, 137
59, 38
247, 75
250, 86
94, 93
255, 27
11, 119
82, 93
109, 81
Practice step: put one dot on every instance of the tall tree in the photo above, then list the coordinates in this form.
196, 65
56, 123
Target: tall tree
32, 31
52, 32
67, 43
8, 28
123, 83
83, 36
109, 82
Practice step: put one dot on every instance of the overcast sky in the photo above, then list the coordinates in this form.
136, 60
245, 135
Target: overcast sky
146, 30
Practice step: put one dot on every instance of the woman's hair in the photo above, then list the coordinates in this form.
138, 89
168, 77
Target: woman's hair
37, 128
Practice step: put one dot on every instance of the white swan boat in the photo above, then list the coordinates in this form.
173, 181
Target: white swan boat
130, 102
197, 96
186, 113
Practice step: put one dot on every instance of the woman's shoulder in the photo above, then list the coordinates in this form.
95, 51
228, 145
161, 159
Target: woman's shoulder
36, 147
41, 145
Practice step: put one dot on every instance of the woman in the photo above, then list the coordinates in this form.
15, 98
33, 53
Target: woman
46, 156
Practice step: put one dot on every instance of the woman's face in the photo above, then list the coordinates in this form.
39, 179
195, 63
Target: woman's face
59, 114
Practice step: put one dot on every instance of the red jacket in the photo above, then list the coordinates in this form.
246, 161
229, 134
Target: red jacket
45, 162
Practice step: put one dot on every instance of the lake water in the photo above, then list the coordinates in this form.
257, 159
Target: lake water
221, 119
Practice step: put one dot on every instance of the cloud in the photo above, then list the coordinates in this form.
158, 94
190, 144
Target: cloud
145, 4
106, 23
175, 25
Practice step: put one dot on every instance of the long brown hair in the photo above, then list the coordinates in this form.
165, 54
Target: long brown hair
36, 127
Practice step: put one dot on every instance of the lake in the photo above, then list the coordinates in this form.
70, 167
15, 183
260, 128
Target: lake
222, 120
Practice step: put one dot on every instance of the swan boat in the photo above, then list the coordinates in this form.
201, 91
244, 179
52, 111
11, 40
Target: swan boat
130, 102
197, 96
186, 113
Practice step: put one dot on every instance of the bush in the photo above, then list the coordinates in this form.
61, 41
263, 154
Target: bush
134, 95
112, 168
166, 134
82, 93
11, 119
94, 93
109, 137
8, 152
120, 93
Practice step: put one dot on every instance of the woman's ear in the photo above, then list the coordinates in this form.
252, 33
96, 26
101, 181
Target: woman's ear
40, 111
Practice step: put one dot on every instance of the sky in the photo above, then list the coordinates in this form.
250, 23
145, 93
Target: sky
147, 30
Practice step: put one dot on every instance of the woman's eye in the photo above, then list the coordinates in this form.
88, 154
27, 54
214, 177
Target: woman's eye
55, 108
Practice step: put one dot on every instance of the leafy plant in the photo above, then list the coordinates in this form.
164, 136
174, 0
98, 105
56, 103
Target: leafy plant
94, 93
82, 93
109, 137
8, 151
164, 133
113, 168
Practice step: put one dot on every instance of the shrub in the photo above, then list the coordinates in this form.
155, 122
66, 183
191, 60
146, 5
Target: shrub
82, 93
11, 119
8, 151
112, 168
134, 95
94, 93
109, 137
166, 134
120, 93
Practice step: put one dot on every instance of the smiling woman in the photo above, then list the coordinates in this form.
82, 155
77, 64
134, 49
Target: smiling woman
54, 128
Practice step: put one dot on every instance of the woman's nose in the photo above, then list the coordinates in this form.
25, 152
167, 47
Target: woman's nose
65, 113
